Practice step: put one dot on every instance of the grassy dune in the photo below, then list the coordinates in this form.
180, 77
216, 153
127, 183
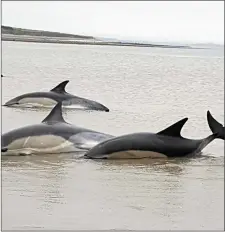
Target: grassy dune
39, 36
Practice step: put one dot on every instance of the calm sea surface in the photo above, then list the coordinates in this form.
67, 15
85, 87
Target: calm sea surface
146, 89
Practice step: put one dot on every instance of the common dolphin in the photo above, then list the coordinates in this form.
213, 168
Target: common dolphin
52, 135
166, 143
55, 95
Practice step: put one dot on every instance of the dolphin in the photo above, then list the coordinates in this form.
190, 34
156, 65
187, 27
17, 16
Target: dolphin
55, 95
53, 135
164, 144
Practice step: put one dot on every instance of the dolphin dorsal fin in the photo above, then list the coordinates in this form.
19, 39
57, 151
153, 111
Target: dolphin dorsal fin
60, 88
55, 115
175, 129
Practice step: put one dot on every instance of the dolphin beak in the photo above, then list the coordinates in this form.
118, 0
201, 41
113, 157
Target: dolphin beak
106, 109
4, 149
11, 102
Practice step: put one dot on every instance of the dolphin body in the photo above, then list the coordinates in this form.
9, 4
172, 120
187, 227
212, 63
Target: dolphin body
52, 135
52, 97
166, 143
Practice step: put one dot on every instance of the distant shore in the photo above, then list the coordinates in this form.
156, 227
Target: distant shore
37, 36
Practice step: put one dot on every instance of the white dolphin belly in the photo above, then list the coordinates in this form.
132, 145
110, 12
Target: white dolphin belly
43, 144
48, 102
36, 101
133, 154
73, 104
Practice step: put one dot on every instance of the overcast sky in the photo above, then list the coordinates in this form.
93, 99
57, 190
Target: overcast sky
154, 21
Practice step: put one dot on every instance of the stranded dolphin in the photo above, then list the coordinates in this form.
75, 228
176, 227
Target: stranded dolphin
52, 135
166, 143
55, 95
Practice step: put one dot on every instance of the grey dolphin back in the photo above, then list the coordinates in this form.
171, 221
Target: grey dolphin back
175, 129
217, 128
60, 88
55, 115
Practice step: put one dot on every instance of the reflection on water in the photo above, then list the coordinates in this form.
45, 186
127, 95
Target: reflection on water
146, 90
162, 190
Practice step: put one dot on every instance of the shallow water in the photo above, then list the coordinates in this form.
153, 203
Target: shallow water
146, 89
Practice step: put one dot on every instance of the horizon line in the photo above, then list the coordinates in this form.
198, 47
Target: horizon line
122, 37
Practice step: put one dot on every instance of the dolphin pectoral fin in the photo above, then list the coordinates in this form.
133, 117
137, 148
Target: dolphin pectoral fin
60, 88
84, 147
217, 128
175, 129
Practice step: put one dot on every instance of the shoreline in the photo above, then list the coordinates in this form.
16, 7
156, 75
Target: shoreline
69, 40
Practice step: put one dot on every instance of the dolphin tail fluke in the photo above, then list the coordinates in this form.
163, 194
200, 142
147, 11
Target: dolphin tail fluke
217, 128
